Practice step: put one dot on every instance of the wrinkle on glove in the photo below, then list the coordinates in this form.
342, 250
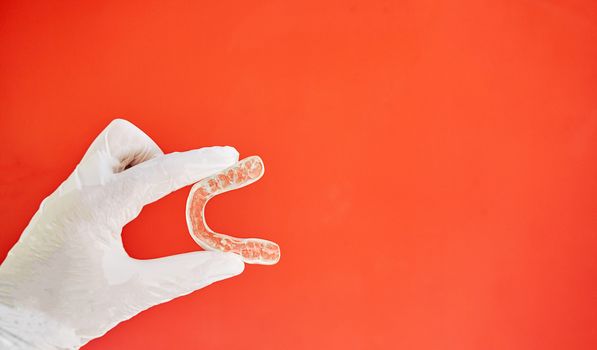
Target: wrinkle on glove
68, 279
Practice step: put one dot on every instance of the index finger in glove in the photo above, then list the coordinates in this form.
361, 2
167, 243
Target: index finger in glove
156, 178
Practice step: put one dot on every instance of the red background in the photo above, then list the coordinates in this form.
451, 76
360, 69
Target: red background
431, 165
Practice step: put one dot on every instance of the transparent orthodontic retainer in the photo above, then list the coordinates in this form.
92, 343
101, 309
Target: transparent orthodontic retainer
251, 250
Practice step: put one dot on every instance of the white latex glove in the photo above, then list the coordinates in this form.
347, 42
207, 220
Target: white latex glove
68, 279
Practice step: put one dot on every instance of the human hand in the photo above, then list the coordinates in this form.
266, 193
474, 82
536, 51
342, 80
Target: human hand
68, 279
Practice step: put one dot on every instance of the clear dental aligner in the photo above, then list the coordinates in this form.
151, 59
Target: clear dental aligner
243, 173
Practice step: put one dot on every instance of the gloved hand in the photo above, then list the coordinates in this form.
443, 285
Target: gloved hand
68, 279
